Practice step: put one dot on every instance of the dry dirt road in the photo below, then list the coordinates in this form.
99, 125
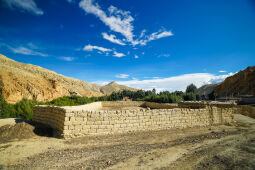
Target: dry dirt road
216, 147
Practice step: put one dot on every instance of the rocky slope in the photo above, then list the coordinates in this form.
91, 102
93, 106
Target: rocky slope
113, 86
206, 89
242, 83
19, 80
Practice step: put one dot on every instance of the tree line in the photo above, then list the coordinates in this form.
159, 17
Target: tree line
23, 109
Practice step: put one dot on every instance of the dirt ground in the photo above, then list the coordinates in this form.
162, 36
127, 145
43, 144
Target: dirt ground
216, 147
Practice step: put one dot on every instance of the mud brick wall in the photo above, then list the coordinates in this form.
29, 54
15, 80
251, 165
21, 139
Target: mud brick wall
89, 119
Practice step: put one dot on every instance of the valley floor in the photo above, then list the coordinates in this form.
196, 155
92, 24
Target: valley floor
216, 147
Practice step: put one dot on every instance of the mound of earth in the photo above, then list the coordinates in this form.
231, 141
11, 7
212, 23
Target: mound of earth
23, 130
18, 131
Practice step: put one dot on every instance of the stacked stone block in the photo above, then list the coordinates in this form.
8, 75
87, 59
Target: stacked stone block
83, 120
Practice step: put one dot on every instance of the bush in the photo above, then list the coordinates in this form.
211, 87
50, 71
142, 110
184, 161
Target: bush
70, 101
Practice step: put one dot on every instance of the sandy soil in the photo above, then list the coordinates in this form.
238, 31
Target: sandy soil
217, 147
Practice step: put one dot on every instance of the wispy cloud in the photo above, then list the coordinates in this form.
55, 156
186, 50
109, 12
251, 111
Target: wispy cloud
102, 50
154, 36
112, 38
26, 51
33, 46
121, 22
116, 54
93, 47
177, 82
222, 71
24, 5
136, 56
67, 58
122, 76
164, 55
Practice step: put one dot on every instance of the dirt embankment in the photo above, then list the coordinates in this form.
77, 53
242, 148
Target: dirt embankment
221, 147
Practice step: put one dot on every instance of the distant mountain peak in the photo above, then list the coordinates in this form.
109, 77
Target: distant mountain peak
112, 82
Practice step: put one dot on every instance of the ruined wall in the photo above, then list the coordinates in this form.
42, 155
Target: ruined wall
245, 110
82, 120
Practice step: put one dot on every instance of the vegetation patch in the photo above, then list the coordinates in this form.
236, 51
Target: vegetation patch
24, 108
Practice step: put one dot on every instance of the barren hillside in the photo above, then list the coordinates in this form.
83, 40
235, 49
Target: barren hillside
111, 87
19, 80
206, 89
242, 83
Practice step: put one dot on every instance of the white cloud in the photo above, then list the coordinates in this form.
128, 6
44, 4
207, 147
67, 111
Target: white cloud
118, 20
116, 54
122, 76
26, 51
112, 38
142, 33
176, 82
136, 56
67, 58
164, 55
153, 36
92, 47
70, 1
102, 50
24, 5
121, 22
222, 71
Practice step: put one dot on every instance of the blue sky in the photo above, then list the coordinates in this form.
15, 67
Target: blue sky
163, 44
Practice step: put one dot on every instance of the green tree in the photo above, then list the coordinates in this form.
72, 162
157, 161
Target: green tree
189, 97
191, 89
6, 110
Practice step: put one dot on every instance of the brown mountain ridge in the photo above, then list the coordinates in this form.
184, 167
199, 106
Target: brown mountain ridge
19, 80
240, 84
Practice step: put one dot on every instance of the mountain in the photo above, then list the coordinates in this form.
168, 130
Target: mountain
113, 87
19, 80
206, 89
240, 84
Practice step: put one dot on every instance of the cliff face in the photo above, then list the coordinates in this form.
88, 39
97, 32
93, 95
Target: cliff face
242, 83
19, 80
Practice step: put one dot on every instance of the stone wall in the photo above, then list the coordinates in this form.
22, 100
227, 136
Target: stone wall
246, 110
122, 104
76, 121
